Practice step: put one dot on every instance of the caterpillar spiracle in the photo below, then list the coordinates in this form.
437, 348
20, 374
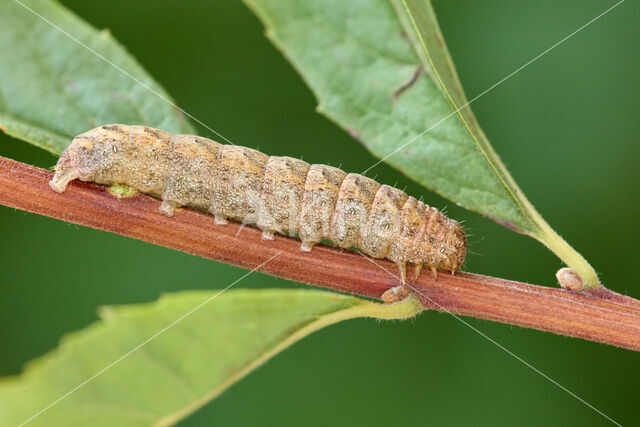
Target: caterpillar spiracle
278, 194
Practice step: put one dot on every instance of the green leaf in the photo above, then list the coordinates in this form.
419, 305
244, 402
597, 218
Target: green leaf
400, 99
178, 371
52, 88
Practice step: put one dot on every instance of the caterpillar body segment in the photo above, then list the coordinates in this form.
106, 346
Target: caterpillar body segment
282, 193
237, 184
191, 166
351, 212
278, 194
321, 191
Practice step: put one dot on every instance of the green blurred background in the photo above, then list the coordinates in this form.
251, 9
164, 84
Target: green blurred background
566, 126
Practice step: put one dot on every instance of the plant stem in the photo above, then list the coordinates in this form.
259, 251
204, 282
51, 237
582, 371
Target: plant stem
596, 315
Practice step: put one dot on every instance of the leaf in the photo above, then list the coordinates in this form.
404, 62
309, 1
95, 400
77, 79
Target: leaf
52, 88
359, 60
179, 370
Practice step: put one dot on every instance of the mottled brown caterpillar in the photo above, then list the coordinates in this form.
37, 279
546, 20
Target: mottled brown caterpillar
278, 194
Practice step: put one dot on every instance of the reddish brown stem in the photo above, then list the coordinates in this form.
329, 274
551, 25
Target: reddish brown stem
600, 315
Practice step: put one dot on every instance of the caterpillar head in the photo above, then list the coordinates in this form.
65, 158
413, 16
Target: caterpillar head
77, 161
454, 249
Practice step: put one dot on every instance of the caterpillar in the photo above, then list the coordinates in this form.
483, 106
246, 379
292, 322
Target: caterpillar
278, 194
